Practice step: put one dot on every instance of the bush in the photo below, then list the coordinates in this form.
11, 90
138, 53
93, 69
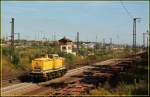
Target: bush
15, 59
69, 59
83, 51
53, 50
6, 51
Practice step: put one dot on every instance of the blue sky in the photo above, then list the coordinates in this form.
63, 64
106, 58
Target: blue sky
35, 20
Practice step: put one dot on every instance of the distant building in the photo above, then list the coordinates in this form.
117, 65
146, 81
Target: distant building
85, 45
66, 45
91, 45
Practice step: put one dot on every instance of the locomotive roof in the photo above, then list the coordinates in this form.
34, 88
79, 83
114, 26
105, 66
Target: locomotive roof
42, 59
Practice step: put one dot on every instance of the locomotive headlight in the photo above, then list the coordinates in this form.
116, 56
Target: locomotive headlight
37, 68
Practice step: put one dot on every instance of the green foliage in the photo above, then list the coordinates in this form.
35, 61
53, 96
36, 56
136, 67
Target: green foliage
83, 51
70, 58
12, 56
6, 51
15, 59
122, 88
54, 50
22, 57
100, 53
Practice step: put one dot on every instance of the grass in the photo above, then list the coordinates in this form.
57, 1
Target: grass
121, 89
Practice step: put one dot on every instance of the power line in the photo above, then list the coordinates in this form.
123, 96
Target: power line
124, 7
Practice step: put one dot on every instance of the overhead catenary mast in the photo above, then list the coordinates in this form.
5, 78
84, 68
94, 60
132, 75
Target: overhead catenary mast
144, 40
110, 43
148, 34
12, 34
103, 43
134, 34
54, 36
12, 38
78, 42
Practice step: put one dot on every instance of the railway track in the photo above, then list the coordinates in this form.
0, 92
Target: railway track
91, 76
18, 89
9, 81
74, 82
32, 88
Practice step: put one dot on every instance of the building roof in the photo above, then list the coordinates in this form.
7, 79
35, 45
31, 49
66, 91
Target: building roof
64, 40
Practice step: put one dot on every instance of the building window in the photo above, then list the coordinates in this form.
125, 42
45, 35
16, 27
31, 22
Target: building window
63, 48
69, 48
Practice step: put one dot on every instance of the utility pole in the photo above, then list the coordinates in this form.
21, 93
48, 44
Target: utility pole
134, 35
96, 38
54, 36
148, 34
12, 33
12, 38
134, 45
144, 40
6, 37
18, 34
96, 43
35, 37
103, 42
110, 43
104, 46
38, 36
44, 37
118, 41
54, 42
78, 42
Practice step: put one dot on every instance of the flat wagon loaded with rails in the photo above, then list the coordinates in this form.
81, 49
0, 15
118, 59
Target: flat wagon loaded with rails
48, 67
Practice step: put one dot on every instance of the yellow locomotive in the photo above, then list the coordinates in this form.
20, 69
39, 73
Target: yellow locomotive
48, 67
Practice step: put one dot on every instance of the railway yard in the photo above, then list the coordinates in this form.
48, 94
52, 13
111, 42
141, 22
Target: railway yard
75, 48
77, 81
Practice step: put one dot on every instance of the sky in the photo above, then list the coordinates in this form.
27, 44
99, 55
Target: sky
35, 20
